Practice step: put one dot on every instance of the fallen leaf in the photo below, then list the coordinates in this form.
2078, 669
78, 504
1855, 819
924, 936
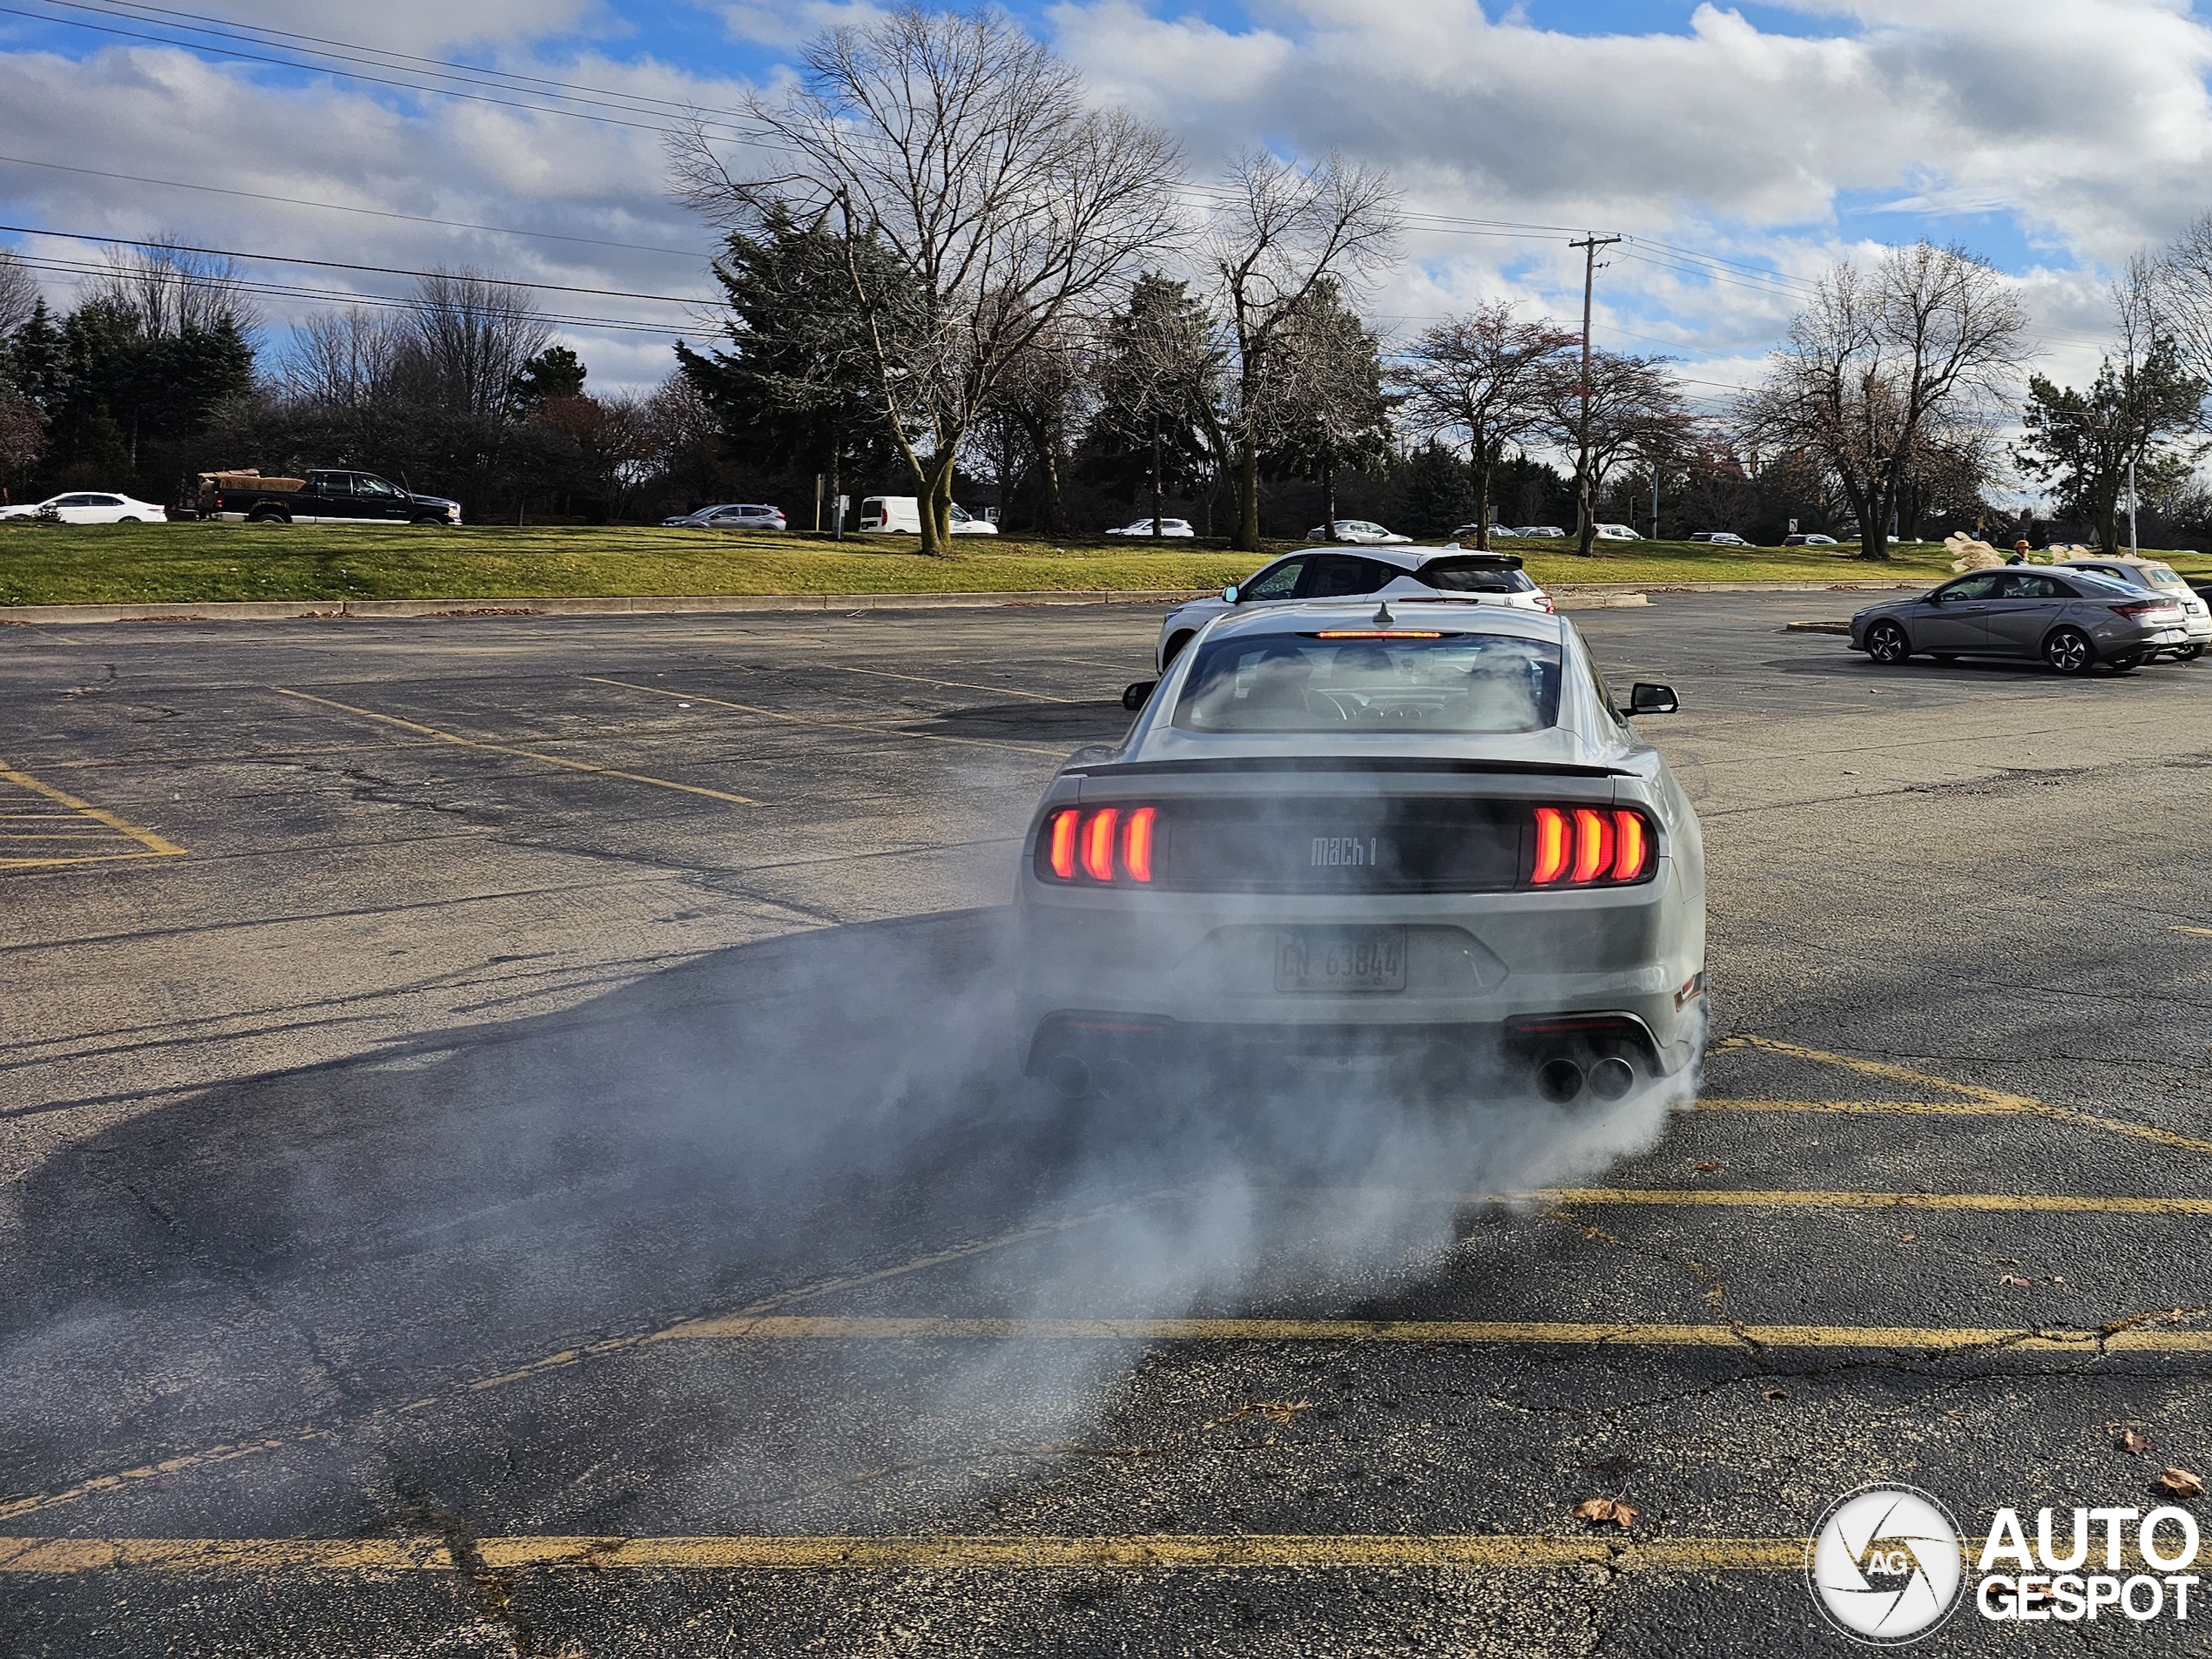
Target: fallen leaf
1604, 1509
1905, 1238
2014, 1279
1706, 1166
1282, 1411
2058, 1278
2188, 1484
2136, 1441
1777, 1393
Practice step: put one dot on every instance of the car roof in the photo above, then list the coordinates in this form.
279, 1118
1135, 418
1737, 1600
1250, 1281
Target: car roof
1452, 616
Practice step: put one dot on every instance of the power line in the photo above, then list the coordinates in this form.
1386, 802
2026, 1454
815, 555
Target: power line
338, 207
349, 265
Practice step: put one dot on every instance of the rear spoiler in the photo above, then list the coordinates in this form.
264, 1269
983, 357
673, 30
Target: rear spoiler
1346, 762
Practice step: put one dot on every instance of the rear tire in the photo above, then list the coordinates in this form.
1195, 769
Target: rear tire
2068, 650
266, 515
2188, 653
129, 519
1887, 644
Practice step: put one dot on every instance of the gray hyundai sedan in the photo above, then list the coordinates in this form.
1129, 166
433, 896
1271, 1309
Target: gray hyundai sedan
2070, 620
1417, 836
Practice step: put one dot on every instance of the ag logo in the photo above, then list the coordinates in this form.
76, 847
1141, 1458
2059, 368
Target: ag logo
1884, 1566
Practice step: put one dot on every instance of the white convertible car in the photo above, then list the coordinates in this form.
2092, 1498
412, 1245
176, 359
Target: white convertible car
1417, 834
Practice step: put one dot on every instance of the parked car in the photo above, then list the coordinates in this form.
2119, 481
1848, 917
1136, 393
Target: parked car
2072, 619
1547, 532
697, 515
735, 516
90, 507
2155, 577
1315, 573
1616, 533
1168, 527
1719, 538
1467, 533
1808, 538
1422, 837
1363, 532
325, 495
901, 516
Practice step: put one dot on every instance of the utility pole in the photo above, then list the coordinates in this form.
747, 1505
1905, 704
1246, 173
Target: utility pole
1586, 528
2135, 552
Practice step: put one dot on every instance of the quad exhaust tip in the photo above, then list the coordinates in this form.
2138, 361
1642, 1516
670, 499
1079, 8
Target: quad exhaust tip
1611, 1078
1559, 1080
1069, 1075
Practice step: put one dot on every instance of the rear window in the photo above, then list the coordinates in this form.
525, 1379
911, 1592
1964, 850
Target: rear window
2164, 574
1450, 682
1450, 576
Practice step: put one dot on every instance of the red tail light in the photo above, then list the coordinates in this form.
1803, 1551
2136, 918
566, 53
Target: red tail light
1103, 844
1554, 846
1136, 846
1062, 843
1098, 844
1589, 846
2146, 610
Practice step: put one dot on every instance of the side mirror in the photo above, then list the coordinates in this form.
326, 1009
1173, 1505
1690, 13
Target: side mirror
1138, 693
1229, 594
1646, 698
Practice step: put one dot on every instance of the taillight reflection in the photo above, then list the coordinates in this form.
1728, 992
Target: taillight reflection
1103, 843
1589, 846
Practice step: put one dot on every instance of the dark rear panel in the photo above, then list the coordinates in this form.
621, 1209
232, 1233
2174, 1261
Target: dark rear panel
1332, 844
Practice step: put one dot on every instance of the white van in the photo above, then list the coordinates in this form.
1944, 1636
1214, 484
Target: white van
901, 516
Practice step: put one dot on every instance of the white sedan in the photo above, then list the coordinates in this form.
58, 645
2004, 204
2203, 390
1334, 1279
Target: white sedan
1416, 836
90, 507
1364, 531
1321, 573
1168, 527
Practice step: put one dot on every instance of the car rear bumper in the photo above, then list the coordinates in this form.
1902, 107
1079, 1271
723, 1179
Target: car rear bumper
1181, 972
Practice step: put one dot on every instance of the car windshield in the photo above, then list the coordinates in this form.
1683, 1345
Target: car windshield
1360, 677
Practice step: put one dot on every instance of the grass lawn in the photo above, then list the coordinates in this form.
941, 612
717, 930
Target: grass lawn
195, 562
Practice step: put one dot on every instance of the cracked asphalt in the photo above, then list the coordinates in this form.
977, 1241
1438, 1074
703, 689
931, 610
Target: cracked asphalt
484, 1101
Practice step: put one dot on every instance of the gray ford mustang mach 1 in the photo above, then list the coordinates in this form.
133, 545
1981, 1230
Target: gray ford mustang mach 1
1416, 836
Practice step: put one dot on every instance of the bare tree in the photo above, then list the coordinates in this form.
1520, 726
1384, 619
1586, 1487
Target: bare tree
1484, 381
1044, 391
172, 289
1330, 408
965, 148
1635, 413
468, 336
18, 294
1877, 359
1281, 231
343, 359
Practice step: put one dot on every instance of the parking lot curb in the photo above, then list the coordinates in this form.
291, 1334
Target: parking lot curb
1571, 597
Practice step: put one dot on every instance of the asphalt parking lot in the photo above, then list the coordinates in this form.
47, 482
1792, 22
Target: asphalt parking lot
510, 1147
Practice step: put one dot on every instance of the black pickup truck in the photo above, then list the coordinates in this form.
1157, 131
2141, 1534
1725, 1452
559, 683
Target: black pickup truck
324, 496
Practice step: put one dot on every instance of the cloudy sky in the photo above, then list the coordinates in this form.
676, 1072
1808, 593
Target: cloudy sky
1740, 149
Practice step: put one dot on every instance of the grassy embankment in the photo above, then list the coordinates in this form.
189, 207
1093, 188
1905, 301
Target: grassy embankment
192, 563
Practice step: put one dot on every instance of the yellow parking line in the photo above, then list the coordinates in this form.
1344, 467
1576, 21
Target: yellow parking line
1128, 1552
154, 845
90, 858
2201, 932
1933, 1108
842, 726
2041, 1202
1995, 1101
965, 685
527, 754
1439, 1332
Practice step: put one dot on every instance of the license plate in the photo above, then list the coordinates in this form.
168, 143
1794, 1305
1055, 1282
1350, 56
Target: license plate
1341, 960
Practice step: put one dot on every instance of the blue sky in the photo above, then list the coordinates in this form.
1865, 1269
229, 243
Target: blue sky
2053, 136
